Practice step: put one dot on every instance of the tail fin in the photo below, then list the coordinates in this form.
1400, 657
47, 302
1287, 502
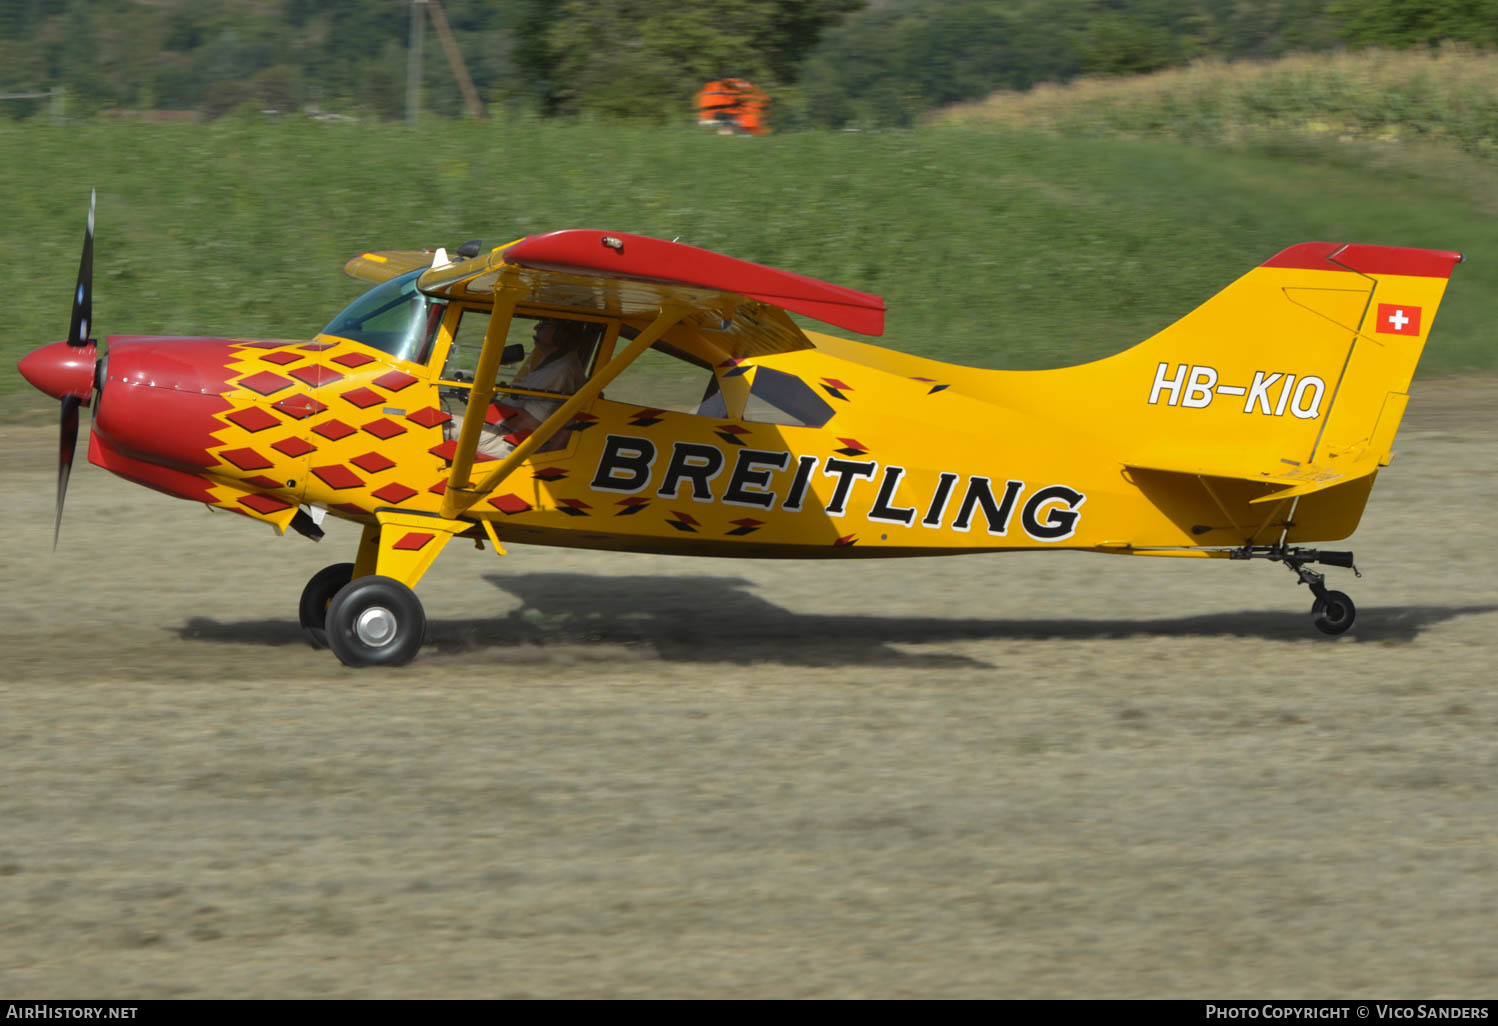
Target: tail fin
1294, 377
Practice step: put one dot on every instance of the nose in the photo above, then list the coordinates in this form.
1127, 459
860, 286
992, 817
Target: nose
61, 370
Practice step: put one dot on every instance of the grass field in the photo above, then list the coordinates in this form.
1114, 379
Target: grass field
621, 775
993, 246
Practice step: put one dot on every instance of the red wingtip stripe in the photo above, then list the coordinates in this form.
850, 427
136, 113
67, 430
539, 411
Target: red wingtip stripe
1331, 256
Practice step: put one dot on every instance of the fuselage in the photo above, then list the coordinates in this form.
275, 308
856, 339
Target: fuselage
838, 449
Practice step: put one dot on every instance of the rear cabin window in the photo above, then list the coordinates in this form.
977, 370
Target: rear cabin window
664, 377
780, 398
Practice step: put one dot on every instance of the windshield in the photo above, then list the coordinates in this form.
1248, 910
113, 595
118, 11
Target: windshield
393, 317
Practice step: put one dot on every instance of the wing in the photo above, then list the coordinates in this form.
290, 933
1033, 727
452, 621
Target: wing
740, 305
386, 264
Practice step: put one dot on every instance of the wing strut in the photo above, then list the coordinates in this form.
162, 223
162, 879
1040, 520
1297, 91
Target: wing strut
479, 397
457, 499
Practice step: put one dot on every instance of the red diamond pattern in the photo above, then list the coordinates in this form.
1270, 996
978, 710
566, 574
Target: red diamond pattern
299, 406
333, 430
261, 481
264, 504
349, 507
246, 459
364, 398
253, 418
384, 428
449, 447
338, 476
573, 503
263, 344
317, 347
440, 488
265, 383
316, 375
414, 541
281, 357
372, 462
394, 381
353, 360
394, 493
509, 504
294, 447
429, 417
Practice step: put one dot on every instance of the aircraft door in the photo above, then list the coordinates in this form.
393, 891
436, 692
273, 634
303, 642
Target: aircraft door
545, 359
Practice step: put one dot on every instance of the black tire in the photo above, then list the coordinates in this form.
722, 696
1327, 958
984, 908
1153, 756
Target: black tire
317, 596
1334, 613
376, 621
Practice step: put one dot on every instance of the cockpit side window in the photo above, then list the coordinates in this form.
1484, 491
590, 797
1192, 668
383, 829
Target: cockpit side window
393, 317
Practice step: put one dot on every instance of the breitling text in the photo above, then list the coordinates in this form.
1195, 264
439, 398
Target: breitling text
629, 464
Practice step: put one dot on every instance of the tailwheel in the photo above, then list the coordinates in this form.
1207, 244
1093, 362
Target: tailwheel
317, 596
375, 621
1333, 612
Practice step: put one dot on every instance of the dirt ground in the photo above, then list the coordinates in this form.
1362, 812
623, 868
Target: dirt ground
624, 775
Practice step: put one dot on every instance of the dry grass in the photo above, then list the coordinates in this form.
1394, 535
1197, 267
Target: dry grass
1450, 95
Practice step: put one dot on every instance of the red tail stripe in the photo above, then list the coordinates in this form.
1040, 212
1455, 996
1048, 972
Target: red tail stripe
1331, 256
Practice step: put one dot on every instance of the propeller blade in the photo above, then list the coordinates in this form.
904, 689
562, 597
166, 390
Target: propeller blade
70, 404
83, 294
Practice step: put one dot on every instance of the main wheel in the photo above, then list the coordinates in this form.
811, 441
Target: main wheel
317, 596
376, 621
1334, 614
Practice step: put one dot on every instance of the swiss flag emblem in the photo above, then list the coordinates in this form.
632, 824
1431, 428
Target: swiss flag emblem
1394, 319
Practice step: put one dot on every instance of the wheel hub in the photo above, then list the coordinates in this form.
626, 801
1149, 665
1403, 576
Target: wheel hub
375, 626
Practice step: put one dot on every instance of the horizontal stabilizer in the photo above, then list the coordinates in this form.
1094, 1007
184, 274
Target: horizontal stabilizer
1303, 479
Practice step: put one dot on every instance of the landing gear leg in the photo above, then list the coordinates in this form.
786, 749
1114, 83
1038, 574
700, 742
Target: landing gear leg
366, 611
1333, 611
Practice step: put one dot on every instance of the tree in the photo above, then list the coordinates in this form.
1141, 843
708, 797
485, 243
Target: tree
647, 57
1401, 24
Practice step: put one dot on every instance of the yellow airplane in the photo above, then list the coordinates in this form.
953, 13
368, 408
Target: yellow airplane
611, 391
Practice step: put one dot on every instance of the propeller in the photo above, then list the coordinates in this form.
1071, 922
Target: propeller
82, 320
83, 294
70, 404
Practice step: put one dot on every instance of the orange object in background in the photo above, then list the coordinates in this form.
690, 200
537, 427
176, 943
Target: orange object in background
735, 106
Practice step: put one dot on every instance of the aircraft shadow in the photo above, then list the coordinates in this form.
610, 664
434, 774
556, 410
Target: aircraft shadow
721, 619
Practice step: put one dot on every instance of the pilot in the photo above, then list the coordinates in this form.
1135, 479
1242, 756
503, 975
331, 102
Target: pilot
557, 363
